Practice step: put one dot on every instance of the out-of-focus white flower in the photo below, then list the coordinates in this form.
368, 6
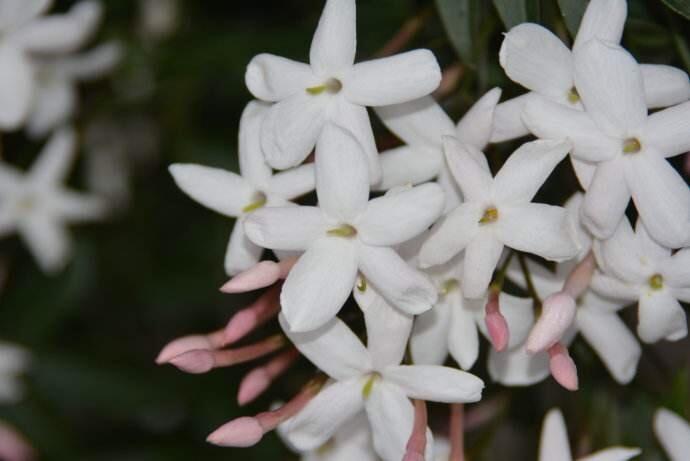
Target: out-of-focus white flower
14, 361
635, 268
38, 206
537, 59
554, 445
373, 381
13, 445
333, 88
673, 433
422, 124
627, 146
239, 196
158, 18
498, 212
347, 233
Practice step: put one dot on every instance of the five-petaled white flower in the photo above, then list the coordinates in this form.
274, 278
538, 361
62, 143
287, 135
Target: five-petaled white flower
37, 205
636, 268
238, 196
346, 234
554, 445
627, 146
333, 88
673, 433
371, 380
498, 212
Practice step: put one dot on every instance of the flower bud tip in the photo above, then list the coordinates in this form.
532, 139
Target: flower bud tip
196, 362
252, 386
240, 432
558, 315
563, 367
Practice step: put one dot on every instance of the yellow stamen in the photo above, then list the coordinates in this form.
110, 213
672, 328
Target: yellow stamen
362, 284
345, 231
258, 202
369, 385
631, 146
490, 215
656, 282
332, 85
573, 96
448, 286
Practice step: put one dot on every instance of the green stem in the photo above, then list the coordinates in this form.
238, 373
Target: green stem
528, 280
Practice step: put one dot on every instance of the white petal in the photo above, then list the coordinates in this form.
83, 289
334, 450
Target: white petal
319, 284
285, 228
476, 126
396, 218
421, 122
550, 120
451, 235
54, 103
355, 120
519, 314
621, 255
674, 434
409, 165
554, 445
606, 199
676, 271
609, 81
613, 288
463, 338
391, 416
613, 342
15, 13
61, 33
16, 86
661, 196
319, 420
508, 122
613, 454
664, 86
222, 191
435, 383
647, 246
668, 130
393, 80
47, 240
538, 60
73, 207
57, 156
387, 327
481, 257
401, 285
291, 128
545, 281
274, 78
603, 19
518, 368
661, 317
241, 253
474, 180
584, 172
93, 64
293, 183
429, 340
333, 347
334, 44
538, 229
253, 167
527, 169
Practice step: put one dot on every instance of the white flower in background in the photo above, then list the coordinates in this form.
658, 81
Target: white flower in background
554, 445
158, 18
55, 99
14, 361
673, 433
498, 212
373, 381
26, 33
626, 145
537, 59
422, 124
239, 196
346, 234
38, 206
333, 88
635, 268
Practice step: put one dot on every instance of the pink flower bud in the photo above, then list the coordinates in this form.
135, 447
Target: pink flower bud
562, 367
557, 316
196, 361
496, 323
241, 432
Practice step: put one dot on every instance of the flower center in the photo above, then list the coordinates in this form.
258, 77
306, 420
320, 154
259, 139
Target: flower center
448, 286
257, 202
631, 146
344, 231
573, 96
332, 85
361, 284
656, 282
26, 202
490, 215
369, 385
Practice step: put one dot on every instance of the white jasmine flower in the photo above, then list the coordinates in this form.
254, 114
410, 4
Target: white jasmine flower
635, 268
498, 212
38, 206
14, 361
674, 434
365, 379
333, 88
554, 445
239, 196
626, 145
537, 59
347, 234
422, 124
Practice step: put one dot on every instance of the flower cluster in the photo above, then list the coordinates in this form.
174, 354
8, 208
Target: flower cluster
425, 235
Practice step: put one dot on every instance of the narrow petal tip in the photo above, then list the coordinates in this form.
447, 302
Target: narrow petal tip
195, 362
241, 432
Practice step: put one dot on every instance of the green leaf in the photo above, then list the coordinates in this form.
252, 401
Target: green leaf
572, 12
457, 19
681, 7
514, 12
